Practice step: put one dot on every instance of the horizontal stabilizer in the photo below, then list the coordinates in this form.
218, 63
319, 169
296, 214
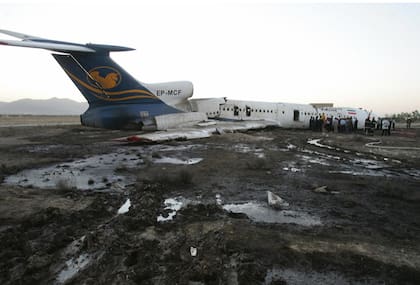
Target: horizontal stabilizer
49, 46
19, 35
58, 46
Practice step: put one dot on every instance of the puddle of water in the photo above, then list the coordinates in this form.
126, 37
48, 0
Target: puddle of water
95, 172
174, 205
176, 148
172, 160
376, 167
369, 163
291, 146
292, 169
44, 148
72, 267
74, 246
321, 154
125, 207
260, 155
415, 173
297, 277
316, 142
243, 148
360, 173
264, 214
314, 160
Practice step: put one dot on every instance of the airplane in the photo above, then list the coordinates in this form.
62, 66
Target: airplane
118, 101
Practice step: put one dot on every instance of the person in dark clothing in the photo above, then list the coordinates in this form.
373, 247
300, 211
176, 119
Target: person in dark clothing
408, 123
311, 123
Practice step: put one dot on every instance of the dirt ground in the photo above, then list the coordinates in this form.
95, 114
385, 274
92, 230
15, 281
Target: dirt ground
198, 211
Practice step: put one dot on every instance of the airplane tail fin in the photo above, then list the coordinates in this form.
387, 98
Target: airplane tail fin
102, 81
89, 66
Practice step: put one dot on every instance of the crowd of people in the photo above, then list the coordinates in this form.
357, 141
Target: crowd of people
383, 124
324, 123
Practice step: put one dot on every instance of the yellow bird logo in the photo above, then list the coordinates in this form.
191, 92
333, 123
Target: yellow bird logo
110, 78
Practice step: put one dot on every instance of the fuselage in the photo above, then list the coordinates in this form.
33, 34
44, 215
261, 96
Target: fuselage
287, 115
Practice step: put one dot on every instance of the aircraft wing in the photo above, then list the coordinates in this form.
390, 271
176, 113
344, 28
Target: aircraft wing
197, 132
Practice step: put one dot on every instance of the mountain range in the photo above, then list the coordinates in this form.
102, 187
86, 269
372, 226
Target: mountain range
53, 106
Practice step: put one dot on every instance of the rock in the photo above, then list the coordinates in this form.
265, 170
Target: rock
321, 189
219, 131
193, 251
275, 201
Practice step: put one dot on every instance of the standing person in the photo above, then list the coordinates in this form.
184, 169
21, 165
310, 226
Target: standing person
317, 123
343, 123
355, 124
329, 124
408, 122
323, 122
368, 126
389, 127
385, 126
375, 124
335, 125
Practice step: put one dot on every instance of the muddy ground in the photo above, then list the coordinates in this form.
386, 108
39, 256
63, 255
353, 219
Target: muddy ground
198, 210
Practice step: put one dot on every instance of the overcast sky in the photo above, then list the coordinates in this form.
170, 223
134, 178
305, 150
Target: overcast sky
359, 55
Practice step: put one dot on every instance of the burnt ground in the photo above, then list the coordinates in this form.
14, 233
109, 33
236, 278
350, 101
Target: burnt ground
362, 228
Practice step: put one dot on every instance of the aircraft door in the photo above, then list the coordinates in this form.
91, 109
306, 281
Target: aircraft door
235, 111
248, 111
295, 115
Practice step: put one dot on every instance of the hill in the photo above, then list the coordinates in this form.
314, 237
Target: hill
53, 106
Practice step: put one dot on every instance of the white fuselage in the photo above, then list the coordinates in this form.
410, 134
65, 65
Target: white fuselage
287, 115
